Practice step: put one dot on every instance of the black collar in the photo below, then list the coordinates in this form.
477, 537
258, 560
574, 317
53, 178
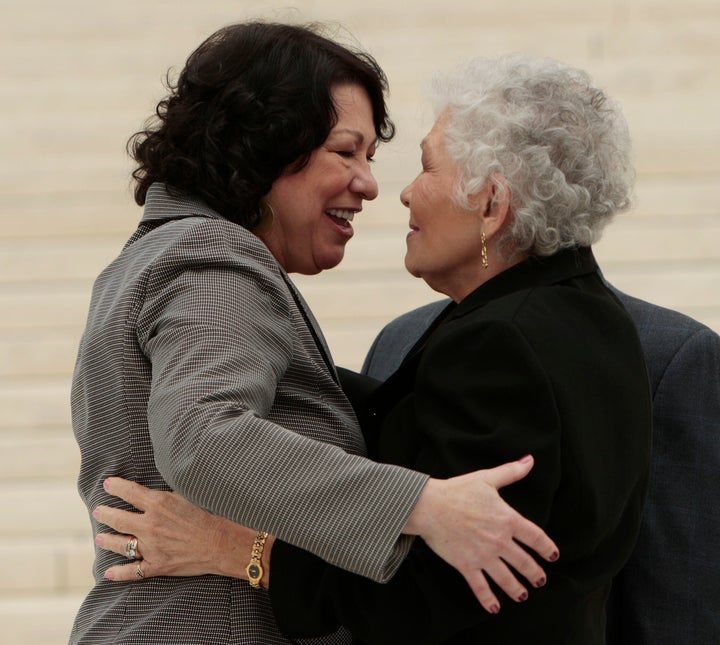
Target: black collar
536, 271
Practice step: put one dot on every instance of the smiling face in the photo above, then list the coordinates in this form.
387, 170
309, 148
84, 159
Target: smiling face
443, 246
314, 207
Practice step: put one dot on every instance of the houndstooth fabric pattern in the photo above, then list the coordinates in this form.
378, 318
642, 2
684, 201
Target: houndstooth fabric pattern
202, 370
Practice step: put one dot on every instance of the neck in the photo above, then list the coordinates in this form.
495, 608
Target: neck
459, 286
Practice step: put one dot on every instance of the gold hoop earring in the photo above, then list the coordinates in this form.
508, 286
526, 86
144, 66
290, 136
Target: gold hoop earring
266, 217
483, 251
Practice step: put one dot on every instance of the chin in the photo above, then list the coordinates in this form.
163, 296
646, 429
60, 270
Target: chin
412, 270
329, 261
332, 262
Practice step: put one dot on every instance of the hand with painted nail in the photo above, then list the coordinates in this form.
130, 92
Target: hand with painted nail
466, 522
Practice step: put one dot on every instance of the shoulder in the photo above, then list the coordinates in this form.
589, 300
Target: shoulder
650, 317
417, 319
670, 339
397, 338
205, 266
204, 248
561, 313
211, 239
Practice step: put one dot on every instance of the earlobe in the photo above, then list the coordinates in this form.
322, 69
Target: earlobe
497, 207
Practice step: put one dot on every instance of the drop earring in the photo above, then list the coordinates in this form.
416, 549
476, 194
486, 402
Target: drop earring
483, 251
266, 217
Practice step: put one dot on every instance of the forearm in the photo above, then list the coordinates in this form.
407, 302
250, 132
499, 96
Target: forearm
344, 508
240, 414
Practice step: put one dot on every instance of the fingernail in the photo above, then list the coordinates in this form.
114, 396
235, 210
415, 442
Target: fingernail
109, 575
526, 459
495, 609
541, 582
98, 540
554, 556
105, 483
96, 513
523, 596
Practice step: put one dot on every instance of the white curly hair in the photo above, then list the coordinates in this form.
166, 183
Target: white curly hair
560, 144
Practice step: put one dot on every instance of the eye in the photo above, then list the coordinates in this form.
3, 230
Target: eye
347, 154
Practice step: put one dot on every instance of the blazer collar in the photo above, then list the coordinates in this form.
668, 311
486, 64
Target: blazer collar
536, 271
164, 202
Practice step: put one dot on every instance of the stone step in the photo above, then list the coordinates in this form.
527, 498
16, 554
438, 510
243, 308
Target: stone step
34, 403
32, 452
108, 217
42, 353
43, 507
47, 565
37, 619
67, 205
47, 261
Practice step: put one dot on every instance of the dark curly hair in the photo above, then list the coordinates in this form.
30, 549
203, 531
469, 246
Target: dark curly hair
253, 100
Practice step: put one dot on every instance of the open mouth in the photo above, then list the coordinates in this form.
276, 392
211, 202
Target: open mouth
341, 217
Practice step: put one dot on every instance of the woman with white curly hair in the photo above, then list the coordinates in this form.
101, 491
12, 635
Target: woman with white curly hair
524, 166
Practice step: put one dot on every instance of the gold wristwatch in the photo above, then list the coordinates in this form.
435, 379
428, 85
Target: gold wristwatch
254, 570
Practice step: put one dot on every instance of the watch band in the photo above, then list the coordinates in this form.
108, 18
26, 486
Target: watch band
254, 569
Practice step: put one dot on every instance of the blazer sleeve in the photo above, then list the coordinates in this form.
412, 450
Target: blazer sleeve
217, 333
481, 399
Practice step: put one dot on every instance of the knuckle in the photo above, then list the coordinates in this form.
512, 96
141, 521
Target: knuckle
498, 541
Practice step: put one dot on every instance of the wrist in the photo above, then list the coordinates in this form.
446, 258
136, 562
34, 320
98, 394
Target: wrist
423, 511
265, 559
255, 571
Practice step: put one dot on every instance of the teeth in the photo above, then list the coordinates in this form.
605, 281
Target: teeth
342, 214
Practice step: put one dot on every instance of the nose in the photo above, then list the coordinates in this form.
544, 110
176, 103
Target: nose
405, 195
364, 183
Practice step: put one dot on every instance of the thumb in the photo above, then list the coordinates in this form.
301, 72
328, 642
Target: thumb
510, 472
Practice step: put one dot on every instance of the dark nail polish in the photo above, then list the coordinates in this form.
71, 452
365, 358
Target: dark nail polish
554, 556
523, 596
541, 582
495, 609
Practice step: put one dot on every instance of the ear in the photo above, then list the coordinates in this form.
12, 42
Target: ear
494, 202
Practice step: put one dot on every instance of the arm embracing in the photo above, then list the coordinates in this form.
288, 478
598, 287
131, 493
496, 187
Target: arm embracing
459, 421
218, 333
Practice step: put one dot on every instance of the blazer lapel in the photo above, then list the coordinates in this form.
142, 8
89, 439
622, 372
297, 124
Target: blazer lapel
312, 326
162, 205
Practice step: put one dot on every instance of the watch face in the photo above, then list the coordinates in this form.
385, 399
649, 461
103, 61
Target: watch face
254, 571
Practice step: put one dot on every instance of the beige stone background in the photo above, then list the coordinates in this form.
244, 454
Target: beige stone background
79, 76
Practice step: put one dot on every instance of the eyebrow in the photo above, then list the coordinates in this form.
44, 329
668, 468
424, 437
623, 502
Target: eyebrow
356, 133
359, 136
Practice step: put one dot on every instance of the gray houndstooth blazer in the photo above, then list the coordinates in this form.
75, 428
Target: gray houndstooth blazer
202, 370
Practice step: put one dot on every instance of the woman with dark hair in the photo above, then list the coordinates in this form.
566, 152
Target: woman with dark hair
525, 165
202, 370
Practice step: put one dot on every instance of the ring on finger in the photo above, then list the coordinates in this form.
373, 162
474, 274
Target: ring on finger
138, 571
131, 549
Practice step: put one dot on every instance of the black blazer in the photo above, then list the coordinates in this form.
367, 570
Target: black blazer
541, 359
